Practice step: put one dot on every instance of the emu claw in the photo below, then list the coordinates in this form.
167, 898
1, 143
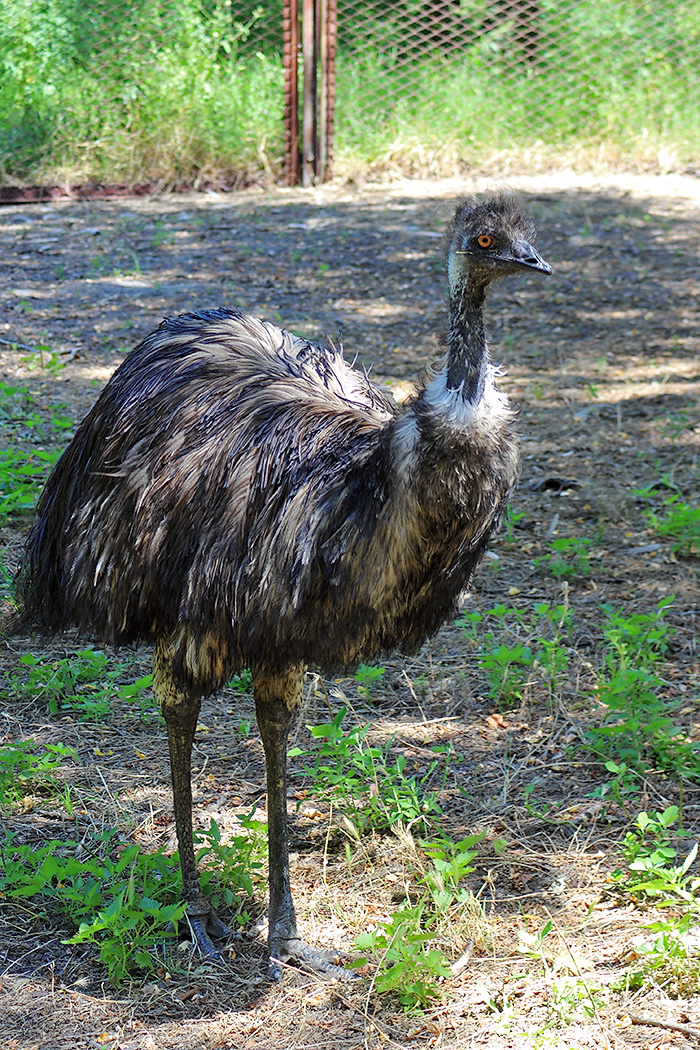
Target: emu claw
318, 961
203, 927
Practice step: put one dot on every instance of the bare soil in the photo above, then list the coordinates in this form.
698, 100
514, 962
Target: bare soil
602, 360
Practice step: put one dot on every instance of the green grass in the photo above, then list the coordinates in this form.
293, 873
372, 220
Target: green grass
186, 93
24, 470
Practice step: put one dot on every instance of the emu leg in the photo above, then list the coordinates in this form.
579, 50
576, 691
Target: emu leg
276, 700
180, 711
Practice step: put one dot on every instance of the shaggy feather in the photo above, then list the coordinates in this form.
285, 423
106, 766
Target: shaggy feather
255, 499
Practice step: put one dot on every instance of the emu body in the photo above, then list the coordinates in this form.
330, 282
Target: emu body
243, 498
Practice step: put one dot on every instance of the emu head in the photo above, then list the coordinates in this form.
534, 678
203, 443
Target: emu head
490, 240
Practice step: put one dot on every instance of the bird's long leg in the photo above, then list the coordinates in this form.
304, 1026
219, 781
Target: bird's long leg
180, 711
277, 697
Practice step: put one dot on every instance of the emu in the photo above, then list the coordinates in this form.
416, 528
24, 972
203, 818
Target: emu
240, 497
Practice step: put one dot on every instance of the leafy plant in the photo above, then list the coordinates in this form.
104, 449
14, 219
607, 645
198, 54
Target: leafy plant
243, 682
450, 863
139, 692
624, 786
366, 676
507, 669
408, 967
81, 683
409, 964
680, 522
43, 357
21, 478
510, 524
122, 900
228, 870
569, 556
654, 875
26, 762
639, 640
368, 785
638, 725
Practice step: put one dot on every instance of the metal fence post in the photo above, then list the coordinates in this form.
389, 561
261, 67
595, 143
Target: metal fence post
308, 152
290, 62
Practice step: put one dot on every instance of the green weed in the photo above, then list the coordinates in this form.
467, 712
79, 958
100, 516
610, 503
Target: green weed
367, 784
122, 900
243, 682
366, 677
625, 785
450, 863
569, 557
23, 472
679, 522
83, 683
46, 359
408, 966
507, 669
519, 649
408, 963
22, 475
228, 870
654, 875
26, 763
140, 692
510, 520
638, 726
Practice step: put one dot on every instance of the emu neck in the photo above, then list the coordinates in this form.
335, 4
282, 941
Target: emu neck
466, 342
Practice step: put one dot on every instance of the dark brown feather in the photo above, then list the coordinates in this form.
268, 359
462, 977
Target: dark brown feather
253, 500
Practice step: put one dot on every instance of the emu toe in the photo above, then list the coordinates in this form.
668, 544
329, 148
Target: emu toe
203, 927
294, 950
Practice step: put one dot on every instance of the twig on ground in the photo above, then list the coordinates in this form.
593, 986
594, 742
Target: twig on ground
69, 355
20, 346
694, 1033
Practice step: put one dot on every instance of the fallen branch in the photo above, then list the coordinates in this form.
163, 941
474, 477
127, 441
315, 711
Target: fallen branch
694, 1033
20, 346
69, 355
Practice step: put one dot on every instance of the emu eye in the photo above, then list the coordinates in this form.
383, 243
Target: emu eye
485, 240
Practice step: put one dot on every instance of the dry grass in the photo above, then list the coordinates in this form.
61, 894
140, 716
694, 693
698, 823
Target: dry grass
620, 316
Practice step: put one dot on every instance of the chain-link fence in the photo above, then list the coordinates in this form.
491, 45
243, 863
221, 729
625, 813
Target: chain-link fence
182, 92
477, 75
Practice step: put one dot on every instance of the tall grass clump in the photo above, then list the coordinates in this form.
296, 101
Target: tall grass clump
151, 91
610, 71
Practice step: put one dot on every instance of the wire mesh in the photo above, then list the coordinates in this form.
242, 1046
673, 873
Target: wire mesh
512, 73
192, 91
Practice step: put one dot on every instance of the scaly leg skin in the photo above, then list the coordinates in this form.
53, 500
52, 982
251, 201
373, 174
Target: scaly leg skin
276, 700
180, 711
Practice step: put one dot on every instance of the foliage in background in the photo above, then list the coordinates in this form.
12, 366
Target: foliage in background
23, 471
82, 682
182, 93
26, 764
520, 649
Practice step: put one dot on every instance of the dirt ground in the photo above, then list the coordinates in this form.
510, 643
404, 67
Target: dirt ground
602, 360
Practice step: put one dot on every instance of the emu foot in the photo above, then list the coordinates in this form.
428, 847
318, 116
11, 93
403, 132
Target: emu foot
294, 950
205, 924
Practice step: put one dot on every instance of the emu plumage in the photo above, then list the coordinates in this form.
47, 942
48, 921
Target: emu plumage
243, 498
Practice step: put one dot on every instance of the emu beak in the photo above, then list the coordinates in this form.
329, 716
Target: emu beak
525, 255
